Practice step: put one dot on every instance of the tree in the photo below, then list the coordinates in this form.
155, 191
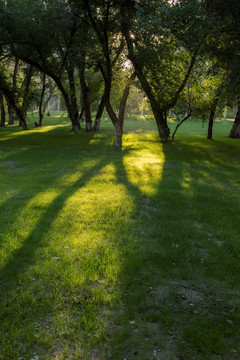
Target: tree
107, 32
175, 32
227, 15
44, 38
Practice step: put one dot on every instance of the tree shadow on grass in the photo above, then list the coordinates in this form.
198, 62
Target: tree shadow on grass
175, 268
159, 250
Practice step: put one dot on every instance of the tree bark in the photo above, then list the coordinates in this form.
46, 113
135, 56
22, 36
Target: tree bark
118, 135
235, 131
3, 114
85, 98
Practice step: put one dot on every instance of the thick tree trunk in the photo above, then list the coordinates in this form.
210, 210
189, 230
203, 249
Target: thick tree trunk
118, 135
85, 98
163, 129
235, 131
3, 114
98, 118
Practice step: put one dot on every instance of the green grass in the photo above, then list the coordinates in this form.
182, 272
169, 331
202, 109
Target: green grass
109, 254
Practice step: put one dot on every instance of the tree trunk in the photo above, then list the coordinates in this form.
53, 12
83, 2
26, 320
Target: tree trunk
3, 114
163, 129
213, 111
211, 118
158, 110
72, 113
41, 110
98, 118
11, 112
81, 115
26, 97
85, 98
158, 113
11, 100
72, 104
235, 131
118, 135
10, 115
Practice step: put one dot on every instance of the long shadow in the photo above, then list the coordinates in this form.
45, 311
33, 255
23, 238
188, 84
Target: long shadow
14, 265
173, 269
24, 193
152, 283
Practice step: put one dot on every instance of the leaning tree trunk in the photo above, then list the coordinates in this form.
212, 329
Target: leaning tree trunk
235, 131
158, 113
3, 114
99, 114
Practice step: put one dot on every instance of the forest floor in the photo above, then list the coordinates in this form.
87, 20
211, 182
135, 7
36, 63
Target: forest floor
119, 254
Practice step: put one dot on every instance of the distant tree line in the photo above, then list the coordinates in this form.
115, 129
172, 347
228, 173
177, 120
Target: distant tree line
181, 56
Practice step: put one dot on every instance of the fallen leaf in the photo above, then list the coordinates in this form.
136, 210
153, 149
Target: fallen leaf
152, 292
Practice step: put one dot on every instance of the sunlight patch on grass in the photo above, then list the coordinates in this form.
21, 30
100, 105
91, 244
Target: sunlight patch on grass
144, 169
186, 182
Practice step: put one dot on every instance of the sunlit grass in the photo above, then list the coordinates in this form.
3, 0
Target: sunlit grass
109, 254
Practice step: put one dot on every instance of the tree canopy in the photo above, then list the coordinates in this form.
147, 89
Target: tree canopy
180, 54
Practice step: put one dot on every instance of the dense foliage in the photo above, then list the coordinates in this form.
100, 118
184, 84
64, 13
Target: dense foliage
183, 56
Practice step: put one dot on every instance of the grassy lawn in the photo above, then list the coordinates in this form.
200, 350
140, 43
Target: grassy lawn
109, 254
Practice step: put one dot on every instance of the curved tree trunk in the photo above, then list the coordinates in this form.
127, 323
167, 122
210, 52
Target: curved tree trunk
158, 113
235, 131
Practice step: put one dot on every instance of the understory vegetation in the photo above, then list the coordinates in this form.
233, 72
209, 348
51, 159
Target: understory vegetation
119, 254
